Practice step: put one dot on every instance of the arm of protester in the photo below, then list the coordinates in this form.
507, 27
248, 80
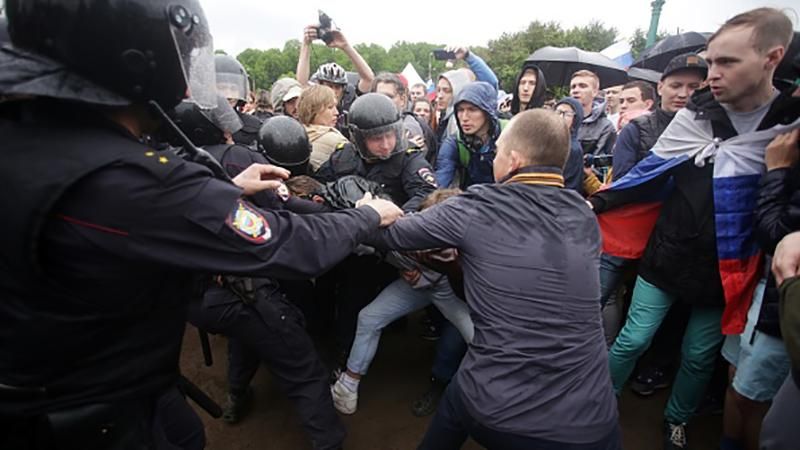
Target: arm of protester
625, 151
778, 203
477, 65
365, 73
605, 200
447, 162
304, 60
786, 262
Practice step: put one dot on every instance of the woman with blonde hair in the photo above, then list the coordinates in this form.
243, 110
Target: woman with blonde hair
317, 112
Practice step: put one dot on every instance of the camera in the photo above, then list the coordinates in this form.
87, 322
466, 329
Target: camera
325, 28
597, 161
442, 54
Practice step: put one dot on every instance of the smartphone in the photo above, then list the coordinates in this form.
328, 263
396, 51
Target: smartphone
442, 54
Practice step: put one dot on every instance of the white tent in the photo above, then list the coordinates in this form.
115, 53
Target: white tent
411, 75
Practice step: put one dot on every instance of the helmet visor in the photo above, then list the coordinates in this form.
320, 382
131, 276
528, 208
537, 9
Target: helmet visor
382, 142
232, 85
196, 49
224, 117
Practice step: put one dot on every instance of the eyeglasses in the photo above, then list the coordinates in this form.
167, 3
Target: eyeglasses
565, 113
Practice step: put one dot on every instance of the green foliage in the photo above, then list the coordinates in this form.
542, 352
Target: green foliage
504, 55
639, 40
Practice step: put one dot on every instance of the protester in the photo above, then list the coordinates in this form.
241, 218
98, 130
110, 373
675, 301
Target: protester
682, 260
571, 111
316, 110
596, 135
531, 88
466, 159
535, 373
285, 94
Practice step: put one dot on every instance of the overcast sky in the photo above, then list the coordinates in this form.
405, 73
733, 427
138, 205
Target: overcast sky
240, 24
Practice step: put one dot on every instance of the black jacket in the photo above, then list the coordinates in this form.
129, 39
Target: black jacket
406, 176
681, 255
777, 214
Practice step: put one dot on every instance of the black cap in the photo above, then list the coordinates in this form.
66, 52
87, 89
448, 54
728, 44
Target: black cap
686, 61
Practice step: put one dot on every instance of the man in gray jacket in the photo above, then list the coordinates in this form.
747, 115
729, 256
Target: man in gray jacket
597, 134
535, 375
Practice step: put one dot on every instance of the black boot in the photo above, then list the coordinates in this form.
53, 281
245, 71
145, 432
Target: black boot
427, 403
237, 406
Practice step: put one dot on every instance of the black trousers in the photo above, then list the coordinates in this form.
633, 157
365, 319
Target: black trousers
165, 422
271, 331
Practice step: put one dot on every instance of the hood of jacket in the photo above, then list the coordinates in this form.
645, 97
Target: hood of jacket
457, 79
578, 119
484, 96
598, 111
537, 99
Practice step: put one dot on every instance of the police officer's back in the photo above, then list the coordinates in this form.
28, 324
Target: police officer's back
380, 153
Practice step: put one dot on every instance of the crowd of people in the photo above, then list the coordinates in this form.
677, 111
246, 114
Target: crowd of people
552, 242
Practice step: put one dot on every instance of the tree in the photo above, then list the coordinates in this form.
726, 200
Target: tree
507, 53
639, 40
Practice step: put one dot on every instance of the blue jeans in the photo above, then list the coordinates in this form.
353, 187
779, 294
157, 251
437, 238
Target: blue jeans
612, 269
395, 301
452, 424
450, 350
701, 342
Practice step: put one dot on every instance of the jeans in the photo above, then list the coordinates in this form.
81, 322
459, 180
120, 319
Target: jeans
397, 300
701, 342
452, 424
450, 350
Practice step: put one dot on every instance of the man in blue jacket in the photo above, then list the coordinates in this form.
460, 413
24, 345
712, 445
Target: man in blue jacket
466, 158
534, 376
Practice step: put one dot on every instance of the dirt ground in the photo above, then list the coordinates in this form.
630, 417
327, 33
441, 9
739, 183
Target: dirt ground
398, 375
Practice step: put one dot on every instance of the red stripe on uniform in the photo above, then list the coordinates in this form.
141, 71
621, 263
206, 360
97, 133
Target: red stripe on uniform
93, 226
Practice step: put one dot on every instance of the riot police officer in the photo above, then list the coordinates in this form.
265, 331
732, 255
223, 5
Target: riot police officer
256, 314
380, 153
107, 233
284, 142
234, 83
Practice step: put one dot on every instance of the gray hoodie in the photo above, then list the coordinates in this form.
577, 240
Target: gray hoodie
458, 79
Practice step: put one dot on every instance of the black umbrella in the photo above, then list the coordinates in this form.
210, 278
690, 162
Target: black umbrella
558, 64
637, 73
658, 56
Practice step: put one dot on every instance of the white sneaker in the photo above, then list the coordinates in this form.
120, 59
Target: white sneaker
344, 400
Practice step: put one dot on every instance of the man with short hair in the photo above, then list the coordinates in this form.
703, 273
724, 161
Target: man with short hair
612, 103
418, 90
635, 99
692, 248
682, 76
597, 134
534, 375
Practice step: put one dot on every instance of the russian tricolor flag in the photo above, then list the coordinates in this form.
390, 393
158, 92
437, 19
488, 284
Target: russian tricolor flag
738, 167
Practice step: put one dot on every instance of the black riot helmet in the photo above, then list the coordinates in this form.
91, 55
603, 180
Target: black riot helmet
374, 116
204, 126
144, 50
284, 142
232, 80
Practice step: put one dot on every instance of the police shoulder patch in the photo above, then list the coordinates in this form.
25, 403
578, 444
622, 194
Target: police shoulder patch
427, 176
413, 150
248, 223
340, 145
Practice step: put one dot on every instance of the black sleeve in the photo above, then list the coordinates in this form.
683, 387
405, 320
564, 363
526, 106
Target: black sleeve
194, 222
418, 180
777, 207
237, 158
